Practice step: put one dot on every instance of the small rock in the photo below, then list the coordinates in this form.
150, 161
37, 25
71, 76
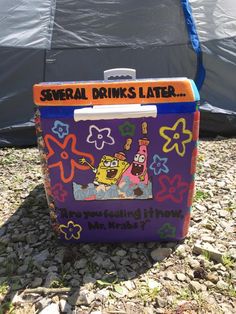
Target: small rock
160, 253
129, 284
31, 239
51, 277
88, 279
65, 306
17, 300
75, 282
116, 259
19, 237
107, 263
181, 277
148, 310
162, 302
168, 264
172, 245
98, 260
226, 308
209, 284
200, 207
200, 273
102, 294
59, 256
153, 284
52, 269
222, 285
82, 263
121, 253
51, 309
212, 277
220, 184
195, 286
36, 282
22, 269
55, 299
2, 231
181, 250
42, 304
207, 247
26, 221
189, 273
232, 275
194, 263
42, 256
83, 297
223, 213
169, 275
73, 298
206, 238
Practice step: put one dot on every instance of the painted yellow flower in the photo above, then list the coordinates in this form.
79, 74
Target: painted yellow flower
71, 230
176, 137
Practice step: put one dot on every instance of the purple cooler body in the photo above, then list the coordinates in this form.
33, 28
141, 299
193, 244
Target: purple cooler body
122, 172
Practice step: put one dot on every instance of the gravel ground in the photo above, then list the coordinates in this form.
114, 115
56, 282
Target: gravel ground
40, 275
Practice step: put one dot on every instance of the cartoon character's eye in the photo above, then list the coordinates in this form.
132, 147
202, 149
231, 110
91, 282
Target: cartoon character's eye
107, 163
114, 163
141, 158
136, 157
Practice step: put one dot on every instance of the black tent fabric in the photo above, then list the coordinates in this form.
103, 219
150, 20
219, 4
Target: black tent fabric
57, 40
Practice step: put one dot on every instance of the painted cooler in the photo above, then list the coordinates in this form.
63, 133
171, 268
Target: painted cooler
118, 157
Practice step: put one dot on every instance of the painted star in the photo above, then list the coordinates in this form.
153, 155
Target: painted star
64, 155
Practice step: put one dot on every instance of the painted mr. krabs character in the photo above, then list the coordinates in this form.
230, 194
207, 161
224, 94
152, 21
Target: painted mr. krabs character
137, 171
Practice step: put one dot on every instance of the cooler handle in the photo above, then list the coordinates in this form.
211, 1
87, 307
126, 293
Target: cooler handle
115, 112
119, 73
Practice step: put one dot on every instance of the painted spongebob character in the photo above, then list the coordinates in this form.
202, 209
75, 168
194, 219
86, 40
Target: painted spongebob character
110, 168
137, 171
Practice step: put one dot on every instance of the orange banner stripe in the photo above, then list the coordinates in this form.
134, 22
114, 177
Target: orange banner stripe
115, 92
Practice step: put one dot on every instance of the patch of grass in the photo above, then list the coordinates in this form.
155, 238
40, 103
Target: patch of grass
111, 281
7, 308
56, 284
231, 207
200, 157
201, 195
185, 295
60, 282
4, 288
91, 267
228, 261
206, 254
198, 298
232, 292
148, 292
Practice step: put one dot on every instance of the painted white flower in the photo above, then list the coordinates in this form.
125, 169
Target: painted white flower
100, 137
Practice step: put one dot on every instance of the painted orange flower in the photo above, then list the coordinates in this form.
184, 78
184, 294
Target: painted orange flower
64, 155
